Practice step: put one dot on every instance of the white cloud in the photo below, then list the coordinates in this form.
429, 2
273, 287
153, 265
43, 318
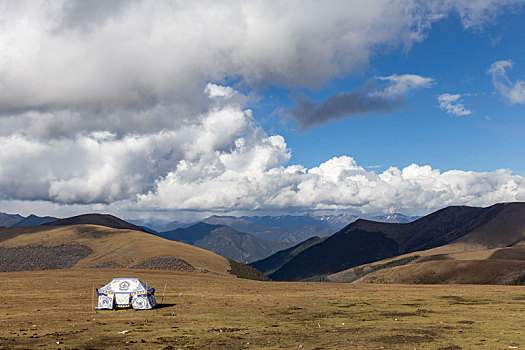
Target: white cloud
215, 91
474, 14
451, 104
140, 53
512, 92
338, 184
401, 84
142, 66
100, 167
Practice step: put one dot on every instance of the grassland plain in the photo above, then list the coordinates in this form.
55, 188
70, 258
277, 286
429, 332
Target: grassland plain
53, 310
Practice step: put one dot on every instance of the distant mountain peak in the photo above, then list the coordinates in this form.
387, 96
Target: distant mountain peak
10, 219
34, 220
225, 241
204, 224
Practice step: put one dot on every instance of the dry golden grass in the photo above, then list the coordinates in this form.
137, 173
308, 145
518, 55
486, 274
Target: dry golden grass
460, 251
114, 246
452, 263
41, 308
490, 271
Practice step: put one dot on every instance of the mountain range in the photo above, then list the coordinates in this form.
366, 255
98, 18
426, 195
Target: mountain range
364, 241
158, 225
219, 239
274, 262
296, 228
13, 220
286, 228
286, 233
225, 241
457, 244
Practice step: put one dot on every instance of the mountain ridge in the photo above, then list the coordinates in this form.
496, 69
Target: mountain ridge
34, 220
106, 220
365, 241
225, 241
7, 220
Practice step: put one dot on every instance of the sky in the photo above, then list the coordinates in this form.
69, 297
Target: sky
184, 109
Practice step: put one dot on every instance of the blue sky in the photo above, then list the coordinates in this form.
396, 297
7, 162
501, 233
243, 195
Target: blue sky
490, 138
185, 109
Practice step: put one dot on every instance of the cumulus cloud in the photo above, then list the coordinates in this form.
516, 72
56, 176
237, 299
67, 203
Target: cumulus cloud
512, 92
100, 167
381, 94
451, 104
337, 184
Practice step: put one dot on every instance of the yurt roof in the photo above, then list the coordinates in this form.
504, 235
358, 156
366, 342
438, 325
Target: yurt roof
125, 285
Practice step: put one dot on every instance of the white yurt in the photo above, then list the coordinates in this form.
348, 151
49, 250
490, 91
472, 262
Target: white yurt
126, 292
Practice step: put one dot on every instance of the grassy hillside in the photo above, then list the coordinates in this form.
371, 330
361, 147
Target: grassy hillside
107, 247
206, 311
491, 253
364, 242
336, 253
494, 271
505, 229
485, 266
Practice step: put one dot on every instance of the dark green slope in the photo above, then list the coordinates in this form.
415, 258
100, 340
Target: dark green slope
277, 260
367, 241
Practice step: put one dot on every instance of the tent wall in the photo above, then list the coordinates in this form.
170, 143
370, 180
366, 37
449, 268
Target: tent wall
105, 301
